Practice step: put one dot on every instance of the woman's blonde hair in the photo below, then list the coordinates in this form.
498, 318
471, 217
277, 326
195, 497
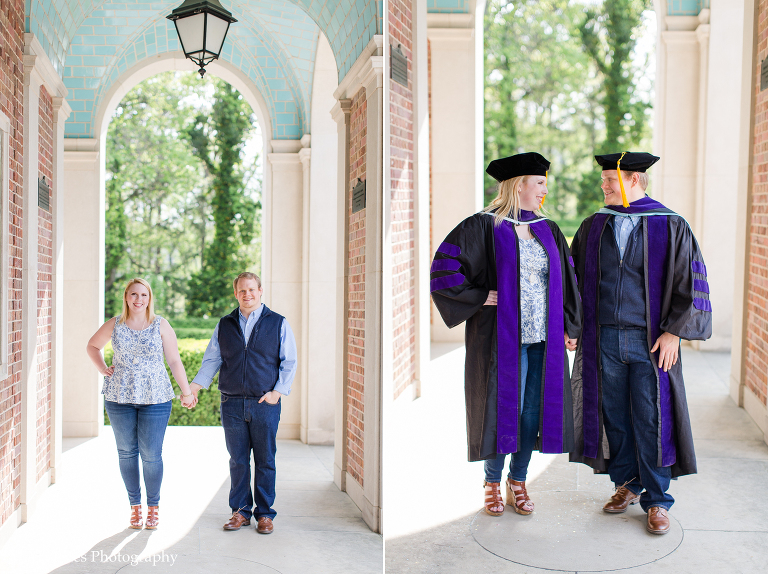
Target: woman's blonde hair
507, 201
150, 310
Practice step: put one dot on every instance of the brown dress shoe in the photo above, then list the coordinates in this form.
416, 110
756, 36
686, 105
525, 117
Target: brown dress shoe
152, 517
621, 500
237, 521
265, 525
658, 521
136, 522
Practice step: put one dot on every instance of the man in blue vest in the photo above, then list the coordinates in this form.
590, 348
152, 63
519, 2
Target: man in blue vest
255, 351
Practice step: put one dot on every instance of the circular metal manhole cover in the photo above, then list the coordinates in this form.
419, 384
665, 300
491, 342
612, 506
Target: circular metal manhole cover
570, 532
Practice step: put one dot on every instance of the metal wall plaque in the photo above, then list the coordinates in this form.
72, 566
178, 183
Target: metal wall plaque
43, 194
358, 196
398, 65
764, 74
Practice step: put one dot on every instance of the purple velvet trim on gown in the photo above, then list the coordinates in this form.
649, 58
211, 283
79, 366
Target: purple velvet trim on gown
554, 360
445, 265
702, 304
639, 206
701, 285
699, 267
446, 282
589, 340
658, 240
449, 249
508, 337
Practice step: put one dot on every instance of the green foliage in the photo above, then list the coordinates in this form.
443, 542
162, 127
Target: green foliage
218, 141
546, 92
207, 411
159, 211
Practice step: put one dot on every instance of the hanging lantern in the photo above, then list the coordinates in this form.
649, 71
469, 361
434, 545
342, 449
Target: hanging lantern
202, 26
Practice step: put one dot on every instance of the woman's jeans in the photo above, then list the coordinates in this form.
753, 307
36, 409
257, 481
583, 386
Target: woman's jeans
531, 367
631, 416
139, 430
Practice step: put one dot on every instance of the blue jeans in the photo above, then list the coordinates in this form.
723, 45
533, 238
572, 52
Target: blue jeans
531, 367
140, 430
251, 426
631, 417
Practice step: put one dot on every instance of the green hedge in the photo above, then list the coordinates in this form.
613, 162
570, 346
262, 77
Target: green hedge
206, 413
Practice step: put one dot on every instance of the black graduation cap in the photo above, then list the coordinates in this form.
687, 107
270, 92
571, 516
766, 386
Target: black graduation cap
629, 160
530, 163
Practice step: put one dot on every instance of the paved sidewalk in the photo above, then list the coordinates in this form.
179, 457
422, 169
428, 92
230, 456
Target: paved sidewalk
80, 524
434, 523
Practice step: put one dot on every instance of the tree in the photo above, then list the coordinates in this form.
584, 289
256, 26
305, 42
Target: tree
159, 211
541, 93
609, 35
557, 74
218, 142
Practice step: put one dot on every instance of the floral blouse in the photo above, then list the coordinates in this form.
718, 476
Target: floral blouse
140, 376
534, 275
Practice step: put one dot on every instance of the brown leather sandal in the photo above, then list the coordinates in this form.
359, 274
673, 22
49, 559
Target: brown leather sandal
517, 497
152, 517
136, 521
493, 498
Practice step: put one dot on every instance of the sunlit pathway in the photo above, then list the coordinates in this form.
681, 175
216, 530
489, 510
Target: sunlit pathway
80, 524
434, 523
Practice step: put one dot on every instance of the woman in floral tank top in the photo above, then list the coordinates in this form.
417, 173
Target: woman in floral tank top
138, 392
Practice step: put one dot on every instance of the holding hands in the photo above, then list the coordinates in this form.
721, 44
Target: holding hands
570, 344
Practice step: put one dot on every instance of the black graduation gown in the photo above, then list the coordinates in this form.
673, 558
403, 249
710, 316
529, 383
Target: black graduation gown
677, 302
463, 272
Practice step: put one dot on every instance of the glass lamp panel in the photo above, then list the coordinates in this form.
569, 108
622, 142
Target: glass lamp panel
191, 32
217, 30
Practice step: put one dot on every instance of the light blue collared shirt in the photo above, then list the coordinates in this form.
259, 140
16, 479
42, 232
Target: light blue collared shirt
212, 357
622, 229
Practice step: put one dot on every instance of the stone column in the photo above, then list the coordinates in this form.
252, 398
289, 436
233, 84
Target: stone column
282, 249
677, 115
83, 182
456, 132
320, 267
341, 113
61, 111
32, 82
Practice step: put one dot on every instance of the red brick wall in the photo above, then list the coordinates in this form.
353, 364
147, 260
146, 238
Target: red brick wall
356, 316
11, 104
401, 146
757, 290
44, 288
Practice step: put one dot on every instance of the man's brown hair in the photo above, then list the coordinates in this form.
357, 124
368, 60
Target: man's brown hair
246, 275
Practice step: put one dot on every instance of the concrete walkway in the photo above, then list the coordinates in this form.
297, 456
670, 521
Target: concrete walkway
80, 524
434, 496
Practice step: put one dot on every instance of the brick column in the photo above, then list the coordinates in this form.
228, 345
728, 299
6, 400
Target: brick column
341, 114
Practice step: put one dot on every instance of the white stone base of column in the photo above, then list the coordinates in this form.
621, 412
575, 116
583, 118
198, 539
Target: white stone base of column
371, 513
757, 410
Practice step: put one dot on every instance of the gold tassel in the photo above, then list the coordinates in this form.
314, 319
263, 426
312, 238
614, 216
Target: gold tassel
624, 201
546, 178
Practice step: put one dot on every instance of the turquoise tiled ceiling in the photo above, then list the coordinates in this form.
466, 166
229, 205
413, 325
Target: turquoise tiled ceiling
448, 6
686, 7
93, 42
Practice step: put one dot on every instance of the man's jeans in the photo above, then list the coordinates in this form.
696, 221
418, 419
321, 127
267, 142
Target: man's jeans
531, 366
251, 426
631, 417
140, 430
